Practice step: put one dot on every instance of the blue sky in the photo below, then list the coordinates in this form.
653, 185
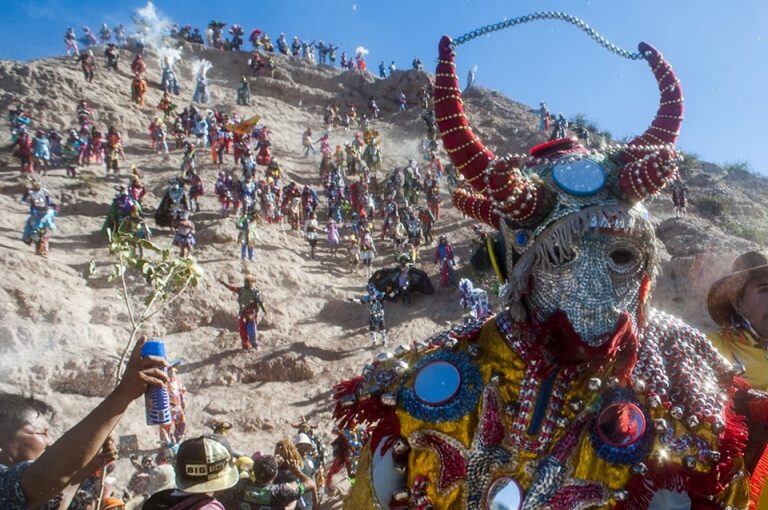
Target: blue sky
718, 51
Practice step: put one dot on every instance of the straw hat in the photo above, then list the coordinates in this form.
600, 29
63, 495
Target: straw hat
724, 290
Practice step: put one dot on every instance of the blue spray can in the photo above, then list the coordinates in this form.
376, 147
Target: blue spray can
156, 401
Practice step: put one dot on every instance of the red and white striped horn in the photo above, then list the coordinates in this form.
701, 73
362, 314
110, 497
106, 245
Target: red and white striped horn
510, 192
646, 171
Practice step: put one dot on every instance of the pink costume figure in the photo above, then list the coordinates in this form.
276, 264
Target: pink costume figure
332, 228
70, 39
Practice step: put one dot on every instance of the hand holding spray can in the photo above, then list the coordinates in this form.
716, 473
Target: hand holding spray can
157, 403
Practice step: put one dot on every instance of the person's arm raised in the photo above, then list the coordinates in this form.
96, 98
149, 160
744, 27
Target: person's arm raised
61, 462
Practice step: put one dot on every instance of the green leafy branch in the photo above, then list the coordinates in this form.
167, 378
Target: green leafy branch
166, 277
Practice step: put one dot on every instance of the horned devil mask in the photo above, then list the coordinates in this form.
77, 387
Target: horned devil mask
576, 234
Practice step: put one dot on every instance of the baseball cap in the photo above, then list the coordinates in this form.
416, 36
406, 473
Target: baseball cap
205, 464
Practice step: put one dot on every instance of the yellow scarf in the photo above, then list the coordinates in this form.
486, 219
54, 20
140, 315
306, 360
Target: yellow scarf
740, 347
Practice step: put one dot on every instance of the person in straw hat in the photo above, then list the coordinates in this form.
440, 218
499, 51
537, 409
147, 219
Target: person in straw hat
738, 303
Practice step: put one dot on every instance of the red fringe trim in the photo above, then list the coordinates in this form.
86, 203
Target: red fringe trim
759, 478
568, 349
379, 420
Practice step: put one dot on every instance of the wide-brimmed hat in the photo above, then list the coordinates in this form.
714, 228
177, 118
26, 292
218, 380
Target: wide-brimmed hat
205, 464
724, 290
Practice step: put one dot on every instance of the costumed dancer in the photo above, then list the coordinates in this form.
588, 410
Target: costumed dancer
353, 252
199, 70
542, 112
88, 38
111, 57
679, 191
582, 133
559, 127
138, 89
247, 194
196, 189
578, 394
432, 191
119, 210
367, 250
120, 36
87, 65
373, 108
201, 131
188, 159
427, 220
224, 187
40, 223
282, 44
474, 299
23, 151
113, 152
168, 81
306, 142
311, 233
334, 239
471, 77
237, 33
263, 145
136, 188
444, 258
347, 448
70, 39
168, 108
374, 298
157, 136
184, 238
402, 101
175, 201
105, 34
247, 235
138, 66
244, 92
249, 303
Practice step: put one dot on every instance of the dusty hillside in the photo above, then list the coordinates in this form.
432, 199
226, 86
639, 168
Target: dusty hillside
60, 333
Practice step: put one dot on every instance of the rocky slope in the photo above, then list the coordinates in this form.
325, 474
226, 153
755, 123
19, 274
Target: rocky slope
60, 334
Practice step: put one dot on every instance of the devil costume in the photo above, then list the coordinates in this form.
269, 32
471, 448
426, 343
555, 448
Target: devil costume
474, 299
578, 394
168, 82
201, 95
374, 299
174, 202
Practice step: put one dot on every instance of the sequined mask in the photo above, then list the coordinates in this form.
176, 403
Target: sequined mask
594, 281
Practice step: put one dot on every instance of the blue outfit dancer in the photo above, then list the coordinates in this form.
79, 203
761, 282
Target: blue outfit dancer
375, 301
